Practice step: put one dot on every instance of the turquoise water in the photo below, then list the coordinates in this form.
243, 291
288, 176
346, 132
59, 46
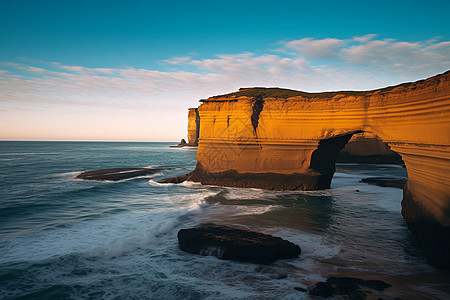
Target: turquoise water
63, 238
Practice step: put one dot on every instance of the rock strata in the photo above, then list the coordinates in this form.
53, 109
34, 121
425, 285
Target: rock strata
235, 244
284, 139
117, 173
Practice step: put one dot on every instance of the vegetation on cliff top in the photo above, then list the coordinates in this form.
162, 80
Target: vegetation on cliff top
280, 93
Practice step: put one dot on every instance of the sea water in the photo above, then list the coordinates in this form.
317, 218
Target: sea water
65, 238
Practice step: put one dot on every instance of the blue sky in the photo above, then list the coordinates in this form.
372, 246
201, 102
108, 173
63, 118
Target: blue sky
128, 70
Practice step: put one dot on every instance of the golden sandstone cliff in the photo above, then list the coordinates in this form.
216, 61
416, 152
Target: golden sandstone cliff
193, 126
283, 139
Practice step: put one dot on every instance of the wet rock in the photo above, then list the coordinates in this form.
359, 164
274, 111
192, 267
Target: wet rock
386, 181
235, 244
347, 286
115, 174
176, 179
300, 289
322, 289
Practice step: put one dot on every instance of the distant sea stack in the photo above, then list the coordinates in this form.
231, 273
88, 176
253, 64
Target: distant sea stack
193, 126
276, 138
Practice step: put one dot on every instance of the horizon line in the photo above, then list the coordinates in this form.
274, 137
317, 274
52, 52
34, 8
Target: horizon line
81, 140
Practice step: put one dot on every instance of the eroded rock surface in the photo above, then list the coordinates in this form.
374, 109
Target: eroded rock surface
235, 244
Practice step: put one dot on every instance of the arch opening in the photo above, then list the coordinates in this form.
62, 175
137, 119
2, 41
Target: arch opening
361, 147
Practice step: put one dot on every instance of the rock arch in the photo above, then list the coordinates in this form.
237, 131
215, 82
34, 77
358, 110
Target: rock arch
295, 131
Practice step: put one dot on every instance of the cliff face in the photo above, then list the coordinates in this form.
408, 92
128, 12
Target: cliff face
193, 126
284, 139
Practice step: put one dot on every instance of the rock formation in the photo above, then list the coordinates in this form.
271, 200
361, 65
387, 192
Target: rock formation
284, 139
235, 244
116, 174
193, 126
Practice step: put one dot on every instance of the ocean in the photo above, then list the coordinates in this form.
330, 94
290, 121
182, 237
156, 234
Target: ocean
65, 238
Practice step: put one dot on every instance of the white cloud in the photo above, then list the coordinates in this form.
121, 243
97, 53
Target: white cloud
386, 57
308, 64
316, 49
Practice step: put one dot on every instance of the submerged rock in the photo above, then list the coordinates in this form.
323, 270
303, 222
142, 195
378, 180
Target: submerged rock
117, 173
235, 244
347, 286
386, 181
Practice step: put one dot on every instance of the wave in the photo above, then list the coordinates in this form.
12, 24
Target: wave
30, 153
107, 237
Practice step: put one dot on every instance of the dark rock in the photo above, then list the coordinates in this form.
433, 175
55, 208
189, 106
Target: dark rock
269, 181
322, 289
347, 283
117, 173
386, 181
432, 236
235, 244
347, 286
300, 289
183, 144
378, 285
176, 179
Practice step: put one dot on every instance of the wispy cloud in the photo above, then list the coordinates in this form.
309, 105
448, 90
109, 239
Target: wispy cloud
362, 62
387, 57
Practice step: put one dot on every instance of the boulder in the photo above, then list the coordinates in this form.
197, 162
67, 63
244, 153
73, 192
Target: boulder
235, 244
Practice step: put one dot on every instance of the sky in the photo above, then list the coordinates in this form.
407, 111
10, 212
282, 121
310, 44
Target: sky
129, 70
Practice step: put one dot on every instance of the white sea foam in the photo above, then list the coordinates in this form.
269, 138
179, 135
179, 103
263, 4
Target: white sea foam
155, 183
253, 210
71, 174
107, 237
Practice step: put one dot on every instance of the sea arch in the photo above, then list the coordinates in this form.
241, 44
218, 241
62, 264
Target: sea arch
278, 139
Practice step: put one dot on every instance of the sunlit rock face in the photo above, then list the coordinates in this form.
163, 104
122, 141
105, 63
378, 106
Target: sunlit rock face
193, 126
366, 147
283, 139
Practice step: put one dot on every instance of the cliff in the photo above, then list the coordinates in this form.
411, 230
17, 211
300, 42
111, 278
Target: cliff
284, 139
193, 126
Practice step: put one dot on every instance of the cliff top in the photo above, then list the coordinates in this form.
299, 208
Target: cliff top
280, 93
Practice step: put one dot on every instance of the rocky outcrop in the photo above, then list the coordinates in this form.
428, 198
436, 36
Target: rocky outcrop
386, 181
181, 144
235, 244
116, 174
285, 139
